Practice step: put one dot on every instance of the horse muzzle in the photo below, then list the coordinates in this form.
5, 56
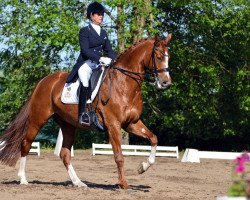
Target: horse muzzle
163, 85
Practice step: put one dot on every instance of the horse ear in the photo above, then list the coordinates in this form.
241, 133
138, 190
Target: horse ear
157, 39
168, 38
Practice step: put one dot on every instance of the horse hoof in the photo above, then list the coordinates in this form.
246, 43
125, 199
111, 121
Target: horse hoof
123, 186
81, 184
143, 167
140, 169
24, 182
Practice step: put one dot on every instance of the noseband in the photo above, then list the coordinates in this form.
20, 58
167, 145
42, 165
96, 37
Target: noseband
147, 67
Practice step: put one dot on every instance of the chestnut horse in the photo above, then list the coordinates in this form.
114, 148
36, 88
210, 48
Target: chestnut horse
123, 110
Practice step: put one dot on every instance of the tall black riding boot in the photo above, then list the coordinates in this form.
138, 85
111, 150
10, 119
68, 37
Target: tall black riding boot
84, 118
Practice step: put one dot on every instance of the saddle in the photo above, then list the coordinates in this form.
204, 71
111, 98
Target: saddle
70, 94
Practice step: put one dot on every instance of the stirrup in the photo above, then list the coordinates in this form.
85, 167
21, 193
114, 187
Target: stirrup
84, 119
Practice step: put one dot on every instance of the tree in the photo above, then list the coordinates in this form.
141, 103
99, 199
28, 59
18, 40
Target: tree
36, 34
133, 20
209, 101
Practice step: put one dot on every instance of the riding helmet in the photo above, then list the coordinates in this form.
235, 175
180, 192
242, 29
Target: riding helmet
95, 7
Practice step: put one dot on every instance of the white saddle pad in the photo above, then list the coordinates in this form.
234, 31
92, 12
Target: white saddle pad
69, 93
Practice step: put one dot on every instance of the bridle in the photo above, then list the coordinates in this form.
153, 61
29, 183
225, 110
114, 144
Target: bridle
137, 76
147, 67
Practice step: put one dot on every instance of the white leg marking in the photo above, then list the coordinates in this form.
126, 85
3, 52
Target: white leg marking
74, 178
151, 160
21, 172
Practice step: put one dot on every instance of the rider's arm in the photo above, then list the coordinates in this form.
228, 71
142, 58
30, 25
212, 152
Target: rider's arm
108, 48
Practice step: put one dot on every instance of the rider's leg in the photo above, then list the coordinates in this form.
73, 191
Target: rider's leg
83, 115
84, 74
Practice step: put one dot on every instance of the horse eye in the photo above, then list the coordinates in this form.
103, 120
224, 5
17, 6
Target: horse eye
159, 58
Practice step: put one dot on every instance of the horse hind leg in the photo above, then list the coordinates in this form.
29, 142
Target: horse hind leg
34, 126
68, 132
25, 148
141, 130
21, 171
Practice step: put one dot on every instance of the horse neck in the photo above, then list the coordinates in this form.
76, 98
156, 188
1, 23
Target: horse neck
135, 58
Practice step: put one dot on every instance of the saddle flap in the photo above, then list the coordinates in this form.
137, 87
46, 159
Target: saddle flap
70, 91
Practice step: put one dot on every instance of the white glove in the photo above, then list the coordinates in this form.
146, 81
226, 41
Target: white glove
105, 61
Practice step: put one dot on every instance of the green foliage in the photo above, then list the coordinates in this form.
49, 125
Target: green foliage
241, 182
133, 19
85, 138
238, 189
208, 103
40, 38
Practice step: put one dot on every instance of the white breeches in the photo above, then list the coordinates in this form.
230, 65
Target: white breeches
85, 72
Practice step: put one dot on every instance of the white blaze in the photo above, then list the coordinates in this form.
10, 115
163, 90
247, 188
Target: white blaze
166, 63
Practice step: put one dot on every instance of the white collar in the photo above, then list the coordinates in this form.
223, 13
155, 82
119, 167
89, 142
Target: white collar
97, 28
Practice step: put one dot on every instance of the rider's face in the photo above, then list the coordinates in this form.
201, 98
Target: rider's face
97, 18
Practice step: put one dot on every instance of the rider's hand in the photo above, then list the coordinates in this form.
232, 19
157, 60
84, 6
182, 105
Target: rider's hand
105, 61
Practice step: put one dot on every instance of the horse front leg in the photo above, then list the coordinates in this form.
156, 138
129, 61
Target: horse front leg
141, 130
115, 140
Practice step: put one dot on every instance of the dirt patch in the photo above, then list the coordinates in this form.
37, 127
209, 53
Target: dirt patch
168, 179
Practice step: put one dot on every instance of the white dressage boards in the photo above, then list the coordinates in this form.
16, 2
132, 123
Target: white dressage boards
135, 150
194, 155
35, 148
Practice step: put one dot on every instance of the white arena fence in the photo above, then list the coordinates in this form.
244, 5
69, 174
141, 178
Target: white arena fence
194, 155
135, 150
35, 148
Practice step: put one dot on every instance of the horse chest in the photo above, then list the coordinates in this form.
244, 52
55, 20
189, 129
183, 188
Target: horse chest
133, 109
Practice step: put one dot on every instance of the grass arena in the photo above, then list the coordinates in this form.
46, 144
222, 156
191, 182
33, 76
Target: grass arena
167, 179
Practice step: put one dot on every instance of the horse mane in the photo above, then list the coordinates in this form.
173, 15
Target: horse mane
138, 42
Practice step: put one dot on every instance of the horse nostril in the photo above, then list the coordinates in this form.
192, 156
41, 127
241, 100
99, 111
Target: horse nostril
166, 83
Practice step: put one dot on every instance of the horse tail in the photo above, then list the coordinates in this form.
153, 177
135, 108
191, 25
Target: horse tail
11, 140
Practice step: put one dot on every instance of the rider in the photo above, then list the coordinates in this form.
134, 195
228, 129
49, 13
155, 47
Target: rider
93, 41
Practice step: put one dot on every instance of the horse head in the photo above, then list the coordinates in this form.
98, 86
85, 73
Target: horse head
148, 56
158, 62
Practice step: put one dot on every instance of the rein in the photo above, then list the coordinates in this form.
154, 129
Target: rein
155, 70
137, 74
128, 73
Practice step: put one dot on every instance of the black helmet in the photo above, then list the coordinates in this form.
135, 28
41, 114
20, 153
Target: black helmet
94, 7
